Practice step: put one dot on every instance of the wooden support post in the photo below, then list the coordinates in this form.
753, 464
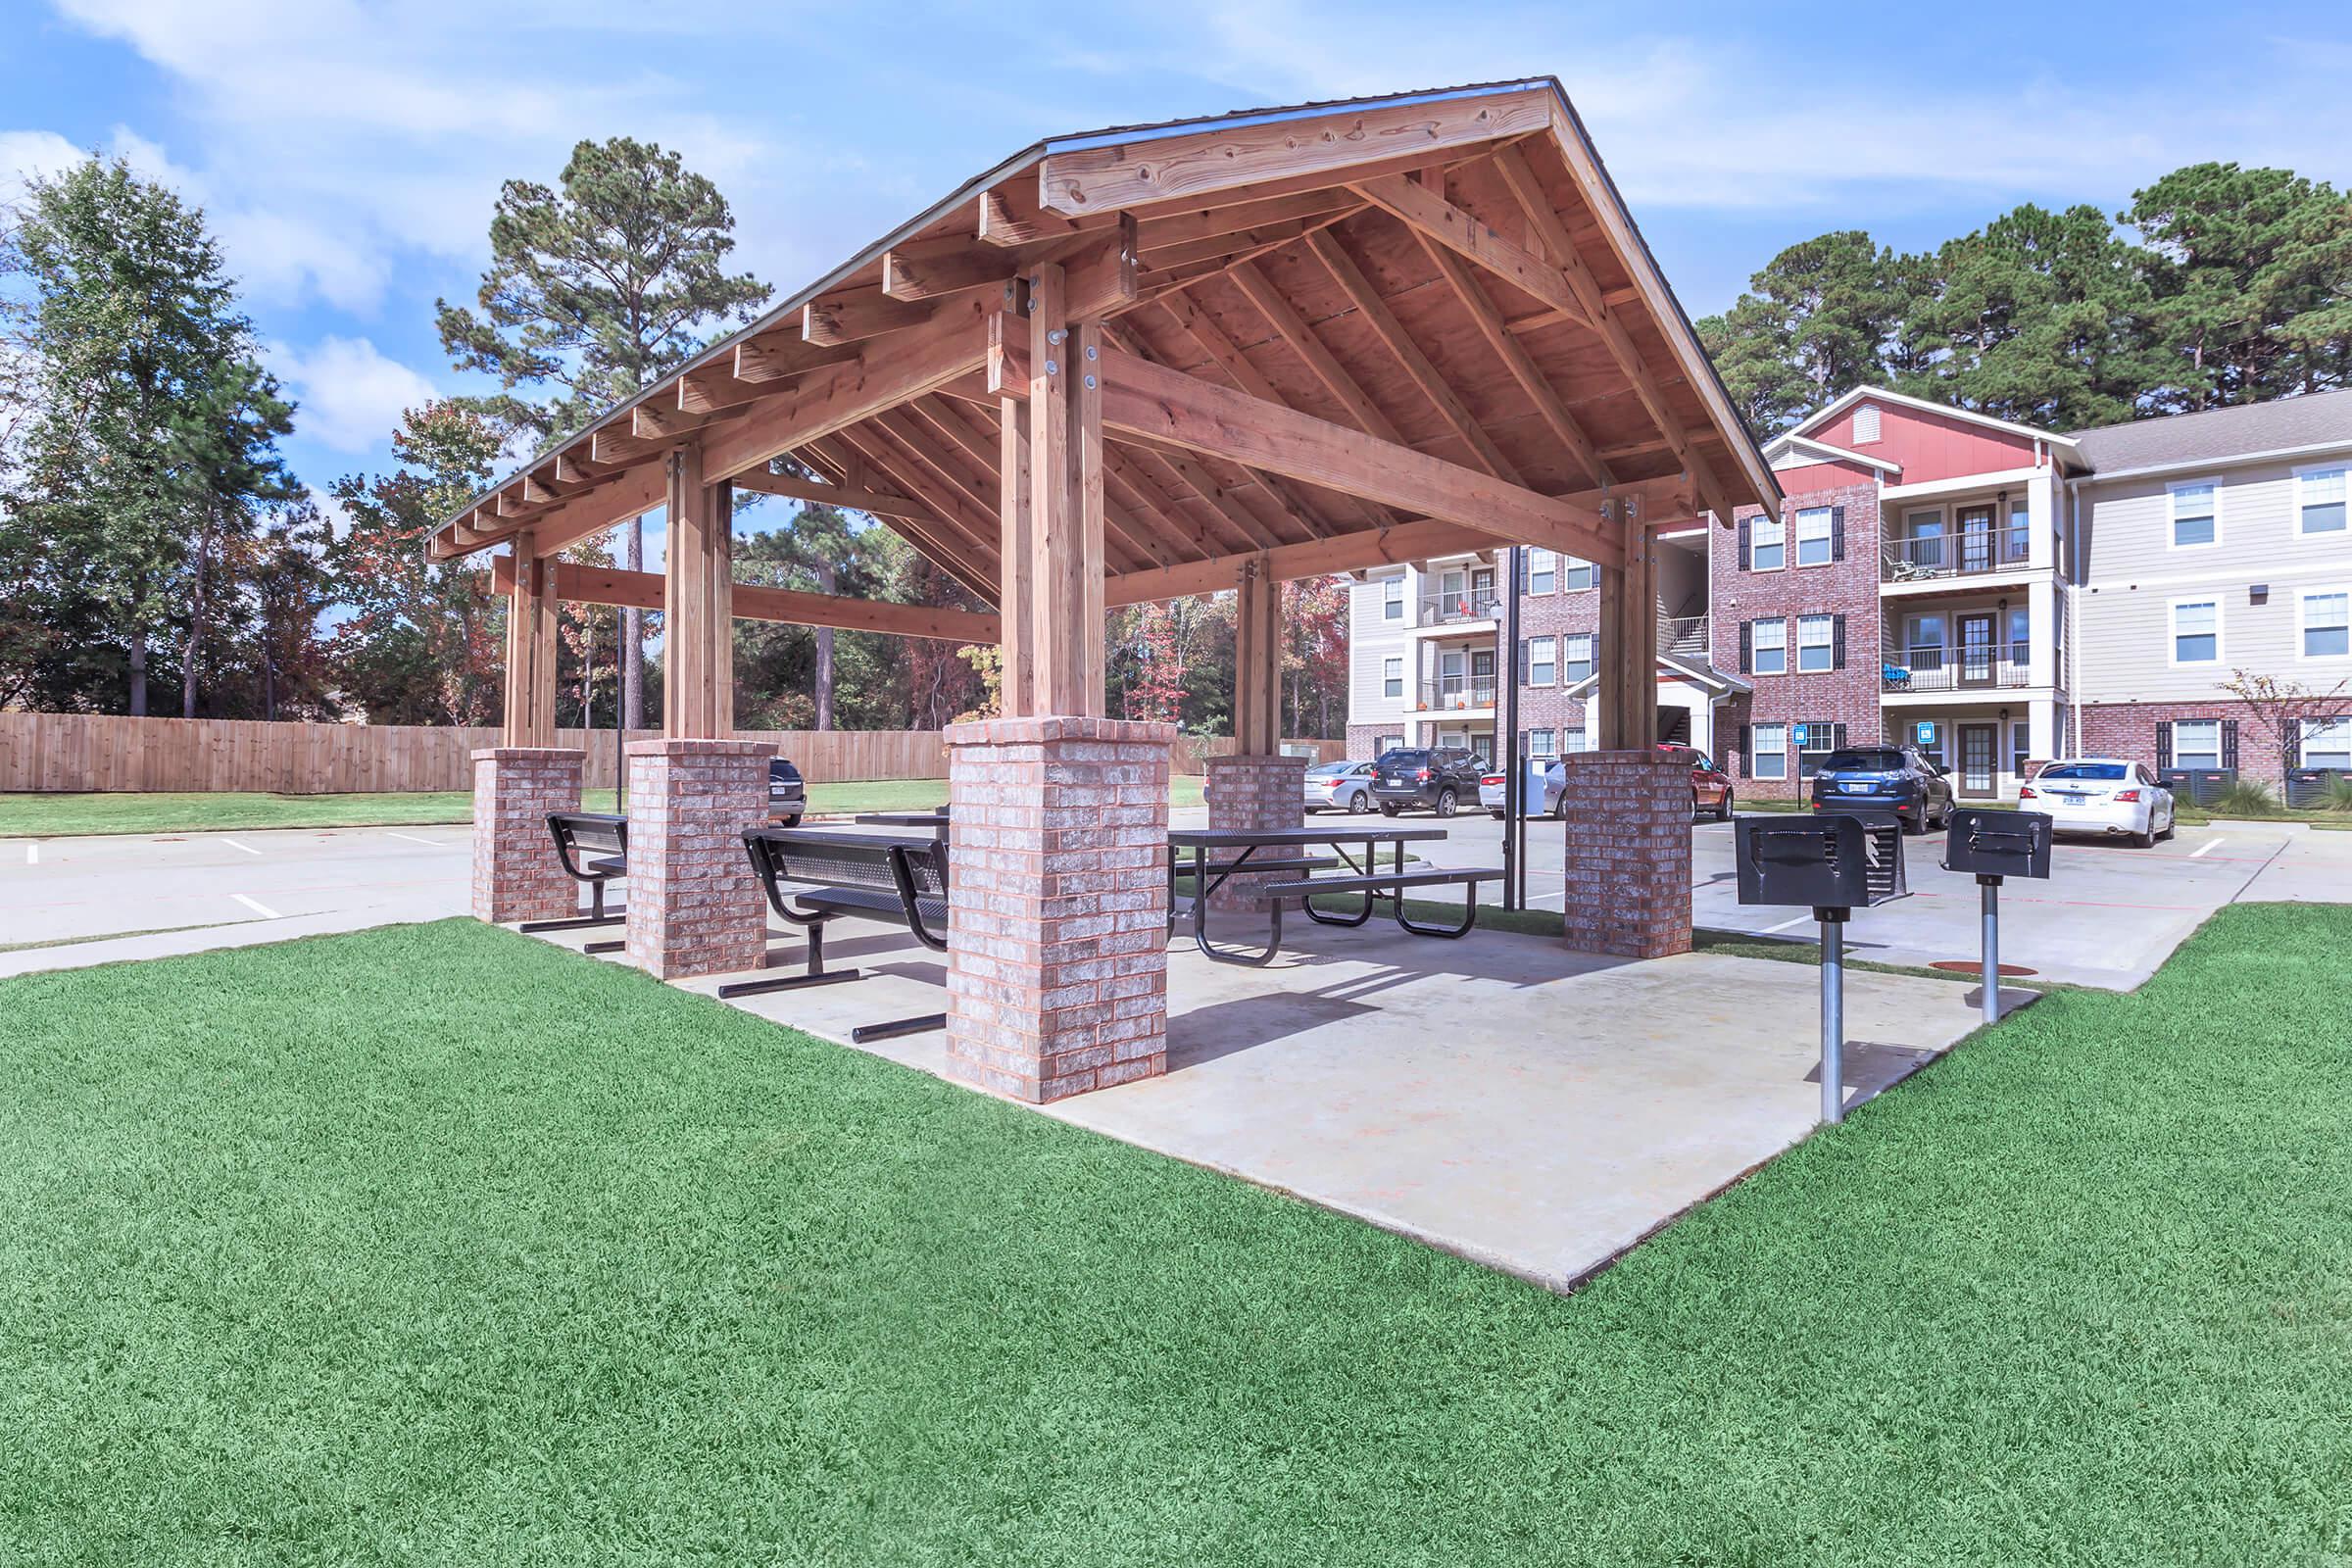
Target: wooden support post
1015, 590
531, 606
1629, 640
1063, 657
1257, 660
698, 597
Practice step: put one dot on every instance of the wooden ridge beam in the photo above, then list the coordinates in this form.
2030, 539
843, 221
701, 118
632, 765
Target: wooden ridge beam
643, 590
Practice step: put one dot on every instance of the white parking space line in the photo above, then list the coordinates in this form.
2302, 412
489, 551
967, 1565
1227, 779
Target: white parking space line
433, 844
234, 845
32, 855
1802, 919
257, 906
2209, 846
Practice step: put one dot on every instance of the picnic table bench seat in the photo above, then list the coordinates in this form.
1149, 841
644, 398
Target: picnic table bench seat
593, 847
1390, 885
814, 875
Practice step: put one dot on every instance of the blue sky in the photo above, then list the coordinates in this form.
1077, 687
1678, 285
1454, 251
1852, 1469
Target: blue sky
347, 155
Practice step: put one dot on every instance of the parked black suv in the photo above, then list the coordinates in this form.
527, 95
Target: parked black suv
787, 796
1439, 780
1885, 779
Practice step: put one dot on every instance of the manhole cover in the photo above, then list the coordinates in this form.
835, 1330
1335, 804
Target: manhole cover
1972, 966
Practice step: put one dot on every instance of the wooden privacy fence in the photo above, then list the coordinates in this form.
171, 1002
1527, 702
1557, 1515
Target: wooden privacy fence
70, 753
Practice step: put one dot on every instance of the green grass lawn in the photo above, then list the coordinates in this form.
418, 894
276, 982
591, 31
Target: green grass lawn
435, 1244
60, 816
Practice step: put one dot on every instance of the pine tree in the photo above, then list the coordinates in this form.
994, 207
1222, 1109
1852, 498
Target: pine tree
1816, 323
596, 289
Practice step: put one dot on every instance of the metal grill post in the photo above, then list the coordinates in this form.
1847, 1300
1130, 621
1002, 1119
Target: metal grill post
1988, 890
1833, 1014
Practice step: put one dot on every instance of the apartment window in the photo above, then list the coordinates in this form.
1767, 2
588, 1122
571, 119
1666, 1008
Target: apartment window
1768, 753
2319, 500
1923, 540
1388, 743
1392, 598
1816, 643
1391, 677
1542, 743
1813, 537
1574, 739
2196, 631
1866, 425
2195, 511
2020, 747
1543, 662
1575, 576
1576, 655
2328, 623
1767, 545
1814, 742
2197, 743
1770, 652
2327, 743
1543, 571
2021, 636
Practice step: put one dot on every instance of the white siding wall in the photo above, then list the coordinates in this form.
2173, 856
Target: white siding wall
1370, 641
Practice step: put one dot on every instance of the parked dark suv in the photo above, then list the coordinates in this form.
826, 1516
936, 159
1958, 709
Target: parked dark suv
1885, 779
1438, 780
787, 795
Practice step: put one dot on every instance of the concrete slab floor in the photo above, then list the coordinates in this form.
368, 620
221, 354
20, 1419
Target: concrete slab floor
1535, 1109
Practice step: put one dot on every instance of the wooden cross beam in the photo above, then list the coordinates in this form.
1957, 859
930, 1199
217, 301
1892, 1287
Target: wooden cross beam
791, 607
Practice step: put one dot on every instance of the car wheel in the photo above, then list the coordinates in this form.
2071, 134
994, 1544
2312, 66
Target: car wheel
1912, 826
1386, 809
1445, 803
1722, 808
1358, 804
1559, 805
1497, 814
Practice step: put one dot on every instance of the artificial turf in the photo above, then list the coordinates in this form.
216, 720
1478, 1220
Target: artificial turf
435, 1244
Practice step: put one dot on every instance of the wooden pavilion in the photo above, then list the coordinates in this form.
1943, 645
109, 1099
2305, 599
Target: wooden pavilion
1128, 365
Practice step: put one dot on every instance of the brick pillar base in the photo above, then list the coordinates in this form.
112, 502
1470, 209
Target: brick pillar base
1058, 973
516, 873
1253, 792
694, 904
1628, 852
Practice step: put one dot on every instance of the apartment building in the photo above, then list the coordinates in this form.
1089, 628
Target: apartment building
1989, 592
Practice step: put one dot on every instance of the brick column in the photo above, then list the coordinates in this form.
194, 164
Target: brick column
694, 904
516, 873
1253, 792
1628, 854
1058, 969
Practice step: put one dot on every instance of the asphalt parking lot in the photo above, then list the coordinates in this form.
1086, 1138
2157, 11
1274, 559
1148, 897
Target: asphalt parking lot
2108, 915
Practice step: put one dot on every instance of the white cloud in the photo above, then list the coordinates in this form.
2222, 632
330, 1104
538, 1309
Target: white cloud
350, 395
29, 153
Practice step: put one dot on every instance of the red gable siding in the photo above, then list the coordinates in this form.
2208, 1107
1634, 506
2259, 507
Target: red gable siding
1929, 445
1808, 477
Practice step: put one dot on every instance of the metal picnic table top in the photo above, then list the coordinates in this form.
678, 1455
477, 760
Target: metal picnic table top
1236, 838
930, 819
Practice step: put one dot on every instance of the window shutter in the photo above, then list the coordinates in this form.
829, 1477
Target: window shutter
1838, 535
2294, 743
2164, 744
1744, 554
1740, 754
1837, 642
1521, 557
1524, 644
2229, 742
1747, 646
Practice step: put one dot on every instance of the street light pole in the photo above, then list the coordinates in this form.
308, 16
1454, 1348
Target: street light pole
1506, 740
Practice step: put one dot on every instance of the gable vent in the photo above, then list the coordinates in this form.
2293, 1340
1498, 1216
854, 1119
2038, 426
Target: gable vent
1866, 425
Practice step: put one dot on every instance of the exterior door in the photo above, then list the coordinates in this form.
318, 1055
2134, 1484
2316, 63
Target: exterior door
1975, 649
1975, 539
1482, 677
1980, 746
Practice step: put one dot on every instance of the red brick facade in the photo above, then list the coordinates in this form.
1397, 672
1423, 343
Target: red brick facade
694, 904
1627, 815
1059, 971
1845, 587
2130, 730
516, 875
1252, 792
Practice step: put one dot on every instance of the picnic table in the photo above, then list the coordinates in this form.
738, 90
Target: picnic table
936, 822
1285, 851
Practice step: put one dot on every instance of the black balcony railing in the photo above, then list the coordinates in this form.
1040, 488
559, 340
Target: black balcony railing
1919, 557
1450, 693
1953, 669
1478, 604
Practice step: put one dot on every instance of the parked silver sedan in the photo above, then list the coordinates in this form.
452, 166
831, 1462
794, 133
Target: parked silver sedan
1340, 787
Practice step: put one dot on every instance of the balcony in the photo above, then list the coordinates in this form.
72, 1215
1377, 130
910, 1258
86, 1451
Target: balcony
1969, 553
1447, 694
1952, 670
1477, 604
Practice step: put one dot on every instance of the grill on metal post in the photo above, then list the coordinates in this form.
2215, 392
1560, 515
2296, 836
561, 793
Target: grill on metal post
1995, 844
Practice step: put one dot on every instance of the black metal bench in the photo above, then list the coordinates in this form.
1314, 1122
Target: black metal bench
814, 876
1389, 885
594, 849
1209, 876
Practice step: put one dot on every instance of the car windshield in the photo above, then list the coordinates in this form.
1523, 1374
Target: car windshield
2106, 772
1400, 759
1330, 769
1864, 760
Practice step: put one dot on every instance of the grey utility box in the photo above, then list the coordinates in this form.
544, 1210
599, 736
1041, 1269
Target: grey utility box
1838, 861
1994, 842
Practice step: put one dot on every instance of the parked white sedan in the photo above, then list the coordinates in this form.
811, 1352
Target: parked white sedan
1340, 787
2106, 795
